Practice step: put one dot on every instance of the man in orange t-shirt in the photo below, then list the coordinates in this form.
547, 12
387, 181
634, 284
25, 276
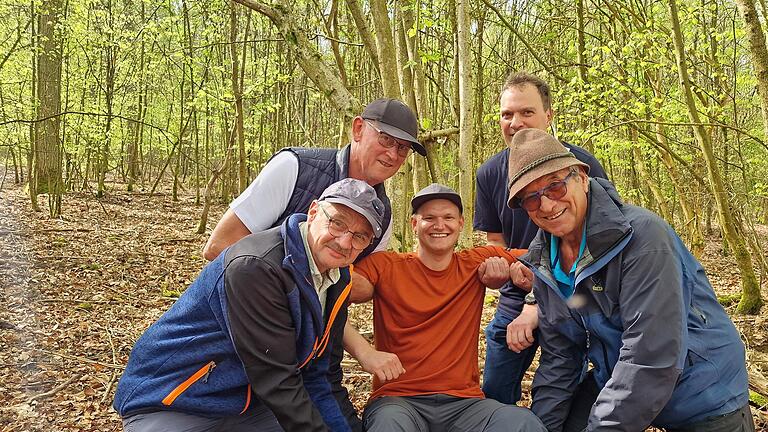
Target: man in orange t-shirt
426, 316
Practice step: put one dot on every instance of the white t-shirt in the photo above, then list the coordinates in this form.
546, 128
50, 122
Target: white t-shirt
266, 198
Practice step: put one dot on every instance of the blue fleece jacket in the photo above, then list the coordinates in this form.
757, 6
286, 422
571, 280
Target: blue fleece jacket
201, 358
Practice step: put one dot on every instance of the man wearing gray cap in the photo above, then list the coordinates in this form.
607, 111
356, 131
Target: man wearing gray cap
246, 347
617, 288
426, 311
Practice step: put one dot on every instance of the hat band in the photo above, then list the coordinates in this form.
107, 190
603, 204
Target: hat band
536, 163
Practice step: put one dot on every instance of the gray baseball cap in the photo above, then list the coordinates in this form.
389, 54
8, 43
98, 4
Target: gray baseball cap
360, 197
435, 191
396, 119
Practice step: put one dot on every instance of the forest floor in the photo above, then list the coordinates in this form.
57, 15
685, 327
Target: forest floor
76, 292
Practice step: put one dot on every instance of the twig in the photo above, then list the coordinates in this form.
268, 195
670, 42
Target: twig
112, 377
10, 232
79, 358
66, 229
66, 300
54, 390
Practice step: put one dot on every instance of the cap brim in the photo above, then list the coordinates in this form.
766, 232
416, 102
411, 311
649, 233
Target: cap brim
374, 224
546, 168
403, 135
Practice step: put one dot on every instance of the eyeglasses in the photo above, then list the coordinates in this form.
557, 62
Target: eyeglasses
387, 141
338, 229
554, 191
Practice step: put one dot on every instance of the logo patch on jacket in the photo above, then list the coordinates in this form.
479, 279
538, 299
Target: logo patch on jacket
597, 286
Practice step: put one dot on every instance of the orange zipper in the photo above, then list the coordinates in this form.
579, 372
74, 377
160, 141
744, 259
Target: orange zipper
319, 347
247, 400
203, 372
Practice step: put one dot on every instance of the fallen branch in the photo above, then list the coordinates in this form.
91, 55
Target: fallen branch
81, 359
54, 390
108, 387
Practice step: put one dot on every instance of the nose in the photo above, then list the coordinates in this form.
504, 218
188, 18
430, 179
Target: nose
345, 240
392, 152
517, 123
546, 203
439, 223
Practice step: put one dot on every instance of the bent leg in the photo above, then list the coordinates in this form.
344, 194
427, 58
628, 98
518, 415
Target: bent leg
488, 415
504, 369
393, 414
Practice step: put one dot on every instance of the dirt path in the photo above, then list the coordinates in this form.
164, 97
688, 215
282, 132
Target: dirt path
19, 324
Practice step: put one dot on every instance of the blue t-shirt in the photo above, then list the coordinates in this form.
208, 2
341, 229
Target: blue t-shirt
493, 215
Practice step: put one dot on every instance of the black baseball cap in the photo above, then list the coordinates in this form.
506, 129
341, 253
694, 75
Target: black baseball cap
396, 119
435, 191
360, 197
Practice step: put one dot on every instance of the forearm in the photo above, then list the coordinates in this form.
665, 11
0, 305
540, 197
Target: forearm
354, 343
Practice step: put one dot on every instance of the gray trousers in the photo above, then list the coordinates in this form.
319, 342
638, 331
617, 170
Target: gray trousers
257, 419
444, 413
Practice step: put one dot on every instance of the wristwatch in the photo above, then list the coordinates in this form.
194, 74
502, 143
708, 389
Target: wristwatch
530, 299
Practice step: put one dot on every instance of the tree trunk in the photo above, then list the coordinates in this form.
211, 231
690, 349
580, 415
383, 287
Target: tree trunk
751, 300
237, 92
48, 146
759, 53
385, 46
466, 115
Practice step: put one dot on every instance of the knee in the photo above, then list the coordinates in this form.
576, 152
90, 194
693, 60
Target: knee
513, 419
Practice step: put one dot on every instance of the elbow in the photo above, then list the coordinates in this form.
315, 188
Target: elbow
211, 251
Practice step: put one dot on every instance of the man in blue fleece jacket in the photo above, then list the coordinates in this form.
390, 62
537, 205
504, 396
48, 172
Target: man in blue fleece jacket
246, 347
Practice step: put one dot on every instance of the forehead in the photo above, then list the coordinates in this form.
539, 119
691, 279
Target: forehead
544, 181
438, 207
524, 94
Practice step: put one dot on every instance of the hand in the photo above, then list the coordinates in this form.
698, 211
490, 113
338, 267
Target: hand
520, 330
521, 276
386, 366
494, 272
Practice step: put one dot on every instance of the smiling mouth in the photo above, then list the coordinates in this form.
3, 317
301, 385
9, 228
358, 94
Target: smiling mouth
388, 165
439, 235
555, 216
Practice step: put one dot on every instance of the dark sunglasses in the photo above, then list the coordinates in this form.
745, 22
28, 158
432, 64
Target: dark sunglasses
554, 191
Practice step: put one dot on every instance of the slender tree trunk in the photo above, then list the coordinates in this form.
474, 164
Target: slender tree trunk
237, 92
466, 114
385, 49
751, 300
757, 48
33, 127
362, 28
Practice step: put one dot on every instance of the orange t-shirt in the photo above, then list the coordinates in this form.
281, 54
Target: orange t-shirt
430, 319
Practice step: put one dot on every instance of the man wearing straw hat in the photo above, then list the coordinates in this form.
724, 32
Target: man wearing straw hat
617, 288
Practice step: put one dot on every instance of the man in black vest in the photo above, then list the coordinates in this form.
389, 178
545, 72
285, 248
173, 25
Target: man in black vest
382, 138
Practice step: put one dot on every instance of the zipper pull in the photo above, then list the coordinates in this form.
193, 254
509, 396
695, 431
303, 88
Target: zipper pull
211, 365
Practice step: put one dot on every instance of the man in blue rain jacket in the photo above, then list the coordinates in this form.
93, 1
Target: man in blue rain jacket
618, 289
246, 346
